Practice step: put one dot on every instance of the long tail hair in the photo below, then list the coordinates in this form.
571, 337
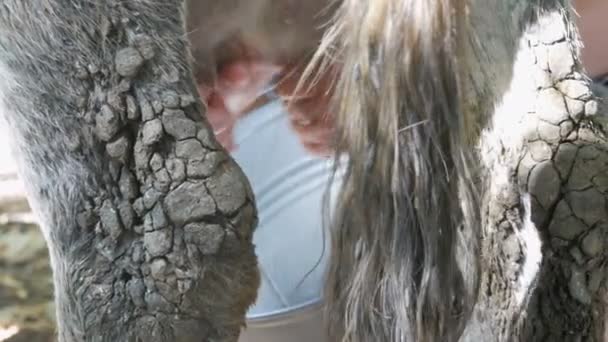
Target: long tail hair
394, 273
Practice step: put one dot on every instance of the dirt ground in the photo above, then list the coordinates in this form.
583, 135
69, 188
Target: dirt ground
26, 308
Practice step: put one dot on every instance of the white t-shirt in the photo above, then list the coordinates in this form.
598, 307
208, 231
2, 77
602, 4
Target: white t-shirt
292, 247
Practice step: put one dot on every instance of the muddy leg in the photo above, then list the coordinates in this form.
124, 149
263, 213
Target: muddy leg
147, 219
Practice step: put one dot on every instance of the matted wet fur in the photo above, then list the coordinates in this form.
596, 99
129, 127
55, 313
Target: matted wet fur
400, 123
404, 255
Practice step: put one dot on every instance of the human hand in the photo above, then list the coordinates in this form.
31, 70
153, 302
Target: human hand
237, 86
309, 110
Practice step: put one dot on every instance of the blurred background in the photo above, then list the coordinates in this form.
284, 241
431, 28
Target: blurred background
26, 308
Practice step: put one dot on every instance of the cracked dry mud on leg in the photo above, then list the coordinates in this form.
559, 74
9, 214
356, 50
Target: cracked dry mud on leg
148, 221
565, 169
547, 151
